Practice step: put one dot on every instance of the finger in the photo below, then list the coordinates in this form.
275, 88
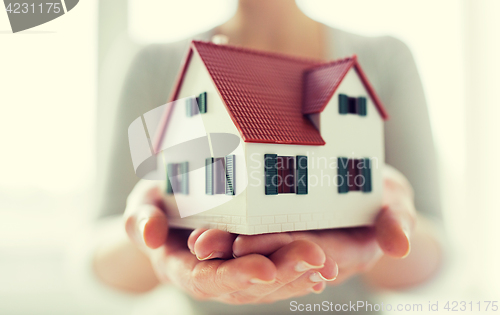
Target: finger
292, 261
311, 281
147, 225
264, 244
351, 246
330, 271
214, 278
193, 237
214, 244
301, 286
319, 287
211, 278
393, 231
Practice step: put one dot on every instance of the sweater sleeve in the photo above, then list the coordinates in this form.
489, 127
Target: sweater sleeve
408, 136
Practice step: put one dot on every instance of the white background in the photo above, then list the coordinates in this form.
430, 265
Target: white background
48, 114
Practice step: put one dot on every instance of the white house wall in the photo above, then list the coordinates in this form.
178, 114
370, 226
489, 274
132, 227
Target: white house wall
182, 129
350, 136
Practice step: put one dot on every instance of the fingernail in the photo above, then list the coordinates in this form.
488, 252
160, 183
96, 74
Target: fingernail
207, 257
302, 266
212, 255
260, 281
234, 256
141, 225
335, 274
407, 234
327, 279
191, 249
316, 277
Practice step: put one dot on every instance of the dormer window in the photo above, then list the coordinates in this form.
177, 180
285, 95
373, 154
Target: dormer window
352, 105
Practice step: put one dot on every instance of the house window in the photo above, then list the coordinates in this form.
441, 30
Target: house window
220, 175
196, 105
352, 105
285, 174
177, 178
354, 175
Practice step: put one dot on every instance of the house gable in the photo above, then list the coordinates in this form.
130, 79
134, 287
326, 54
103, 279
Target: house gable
321, 82
183, 128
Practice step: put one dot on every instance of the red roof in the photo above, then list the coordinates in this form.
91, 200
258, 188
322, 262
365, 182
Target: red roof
267, 94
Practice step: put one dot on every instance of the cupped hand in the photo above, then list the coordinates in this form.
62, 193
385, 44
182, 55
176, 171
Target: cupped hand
355, 250
295, 269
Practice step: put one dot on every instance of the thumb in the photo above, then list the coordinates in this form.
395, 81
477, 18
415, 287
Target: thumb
148, 225
392, 230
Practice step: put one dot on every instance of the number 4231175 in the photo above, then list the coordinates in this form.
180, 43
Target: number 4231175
455, 306
32, 8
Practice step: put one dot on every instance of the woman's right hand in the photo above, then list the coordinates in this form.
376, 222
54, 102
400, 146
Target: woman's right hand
291, 271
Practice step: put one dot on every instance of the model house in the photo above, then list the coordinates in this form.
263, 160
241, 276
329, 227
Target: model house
280, 143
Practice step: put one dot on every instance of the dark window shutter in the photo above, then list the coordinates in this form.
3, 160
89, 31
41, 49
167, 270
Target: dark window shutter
367, 174
230, 172
362, 106
209, 176
301, 161
342, 180
271, 172
170, 172
202, 102
343, 104
184, 177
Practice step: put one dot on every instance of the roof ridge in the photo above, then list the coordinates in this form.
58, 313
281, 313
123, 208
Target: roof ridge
271, 54
332, 63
